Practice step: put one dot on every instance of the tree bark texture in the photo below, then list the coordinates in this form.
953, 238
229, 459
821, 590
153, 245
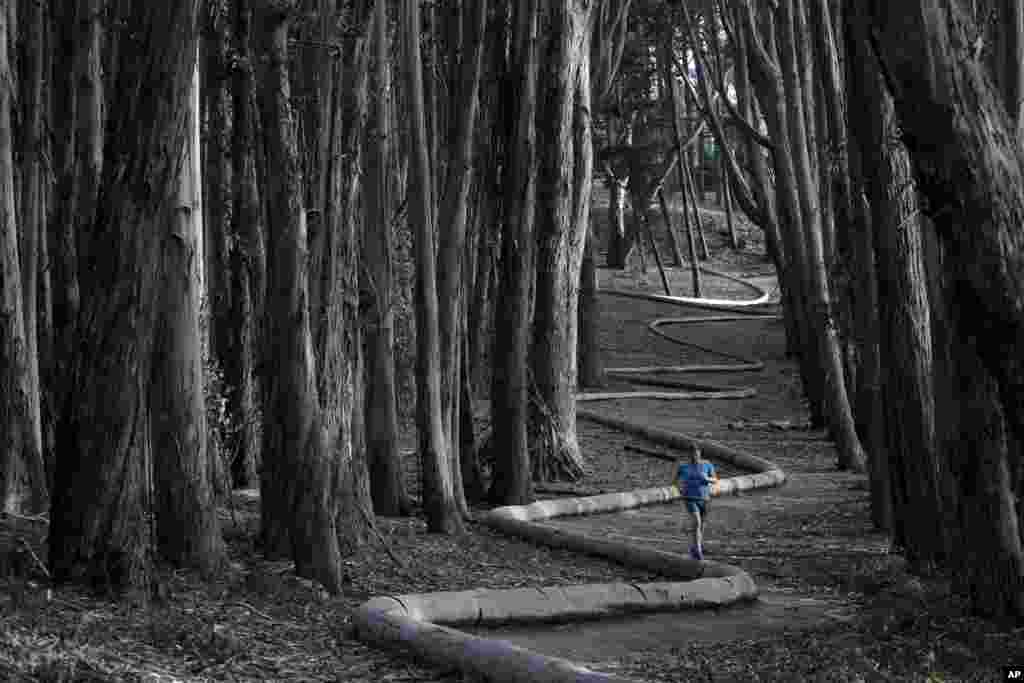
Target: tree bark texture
300, 466
511, 482
794, 42
560, 241
386, 480
438, 494
187, 528
30, 227
453, 226
972, 183
248, 258
100, 523
22, 475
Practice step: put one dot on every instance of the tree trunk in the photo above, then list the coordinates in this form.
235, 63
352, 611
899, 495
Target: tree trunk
972, 182
560, 244
248, 259
591, 363
297, 480
439, 502
837, 405
452, 242
341, 387
22, 475
768, 81
217, 180
590, 368
32, 217
511, 482
386, 480
99, 520
670, 229
188, 532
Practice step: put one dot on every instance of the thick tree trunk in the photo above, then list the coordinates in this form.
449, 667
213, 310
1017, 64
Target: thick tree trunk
248, 259
387, 483
297, 480
972, 182
560, 244
32, 216
511, 482
439, 502
22, 475
99, 520
188, 532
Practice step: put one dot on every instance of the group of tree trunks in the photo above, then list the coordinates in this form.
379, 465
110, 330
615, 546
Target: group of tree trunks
202, 200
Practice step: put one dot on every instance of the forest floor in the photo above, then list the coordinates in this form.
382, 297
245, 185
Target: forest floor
257, 621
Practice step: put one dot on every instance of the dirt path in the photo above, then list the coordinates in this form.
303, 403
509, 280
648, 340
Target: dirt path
796, 540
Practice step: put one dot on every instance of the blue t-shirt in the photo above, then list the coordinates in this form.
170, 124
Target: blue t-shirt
696, 479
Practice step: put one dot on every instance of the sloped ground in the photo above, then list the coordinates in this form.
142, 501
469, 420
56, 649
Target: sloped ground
257, 622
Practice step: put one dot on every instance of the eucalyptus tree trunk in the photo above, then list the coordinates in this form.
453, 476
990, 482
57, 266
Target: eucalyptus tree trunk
439, 504
248, 258
100, 518
22, 474
511, 482
453, 225
972, 182
217, 182
187, 528
386, 481
767, 78
30, 226
300, 468
562, 188
339, 354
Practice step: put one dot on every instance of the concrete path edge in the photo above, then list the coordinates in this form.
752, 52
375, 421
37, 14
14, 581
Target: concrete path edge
421, 623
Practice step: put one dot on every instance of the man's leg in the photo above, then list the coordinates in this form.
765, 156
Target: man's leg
698, 530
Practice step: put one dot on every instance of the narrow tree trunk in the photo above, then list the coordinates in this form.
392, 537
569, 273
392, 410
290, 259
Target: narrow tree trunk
297, 479
341, 385
730, 220
100, 528
188, 532
435, 455
452, 238
511, 482
31, 223
386, 480
591, 363
248, 259
670, 230
590, 368
837, 405
217, 171
767, 78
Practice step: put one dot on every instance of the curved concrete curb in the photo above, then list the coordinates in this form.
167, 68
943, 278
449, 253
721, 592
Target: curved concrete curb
414, 622
666, 395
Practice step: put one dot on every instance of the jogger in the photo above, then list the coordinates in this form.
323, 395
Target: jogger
696, 478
